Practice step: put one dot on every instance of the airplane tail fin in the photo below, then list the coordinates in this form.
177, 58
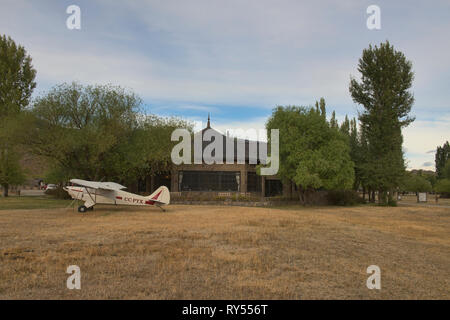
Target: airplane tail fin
161, 195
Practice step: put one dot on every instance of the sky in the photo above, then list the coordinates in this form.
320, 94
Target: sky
237, 60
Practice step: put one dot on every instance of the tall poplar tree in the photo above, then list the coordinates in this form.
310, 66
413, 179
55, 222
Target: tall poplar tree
384, 93
16, 86
441, 158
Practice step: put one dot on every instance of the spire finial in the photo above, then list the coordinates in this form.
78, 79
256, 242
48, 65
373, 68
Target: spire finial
209, 124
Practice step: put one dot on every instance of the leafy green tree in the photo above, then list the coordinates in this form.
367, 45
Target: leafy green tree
11, 173
446, 170
441, 158
365, 166
16, 77
415, 183
333, 122
98, 132
313, 154
358, 154
153, 136
432, 179
321, 107
443, 186
345, 127
82, 129
386, 77
16, 86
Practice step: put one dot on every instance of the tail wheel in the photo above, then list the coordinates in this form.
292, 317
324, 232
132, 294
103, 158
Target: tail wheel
82, 209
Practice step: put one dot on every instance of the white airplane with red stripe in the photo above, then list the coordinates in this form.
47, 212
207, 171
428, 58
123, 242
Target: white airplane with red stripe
93, 193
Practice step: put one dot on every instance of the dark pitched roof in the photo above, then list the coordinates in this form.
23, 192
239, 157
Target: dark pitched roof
234, 142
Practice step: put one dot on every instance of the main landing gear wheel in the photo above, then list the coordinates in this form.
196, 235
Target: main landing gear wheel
82, 209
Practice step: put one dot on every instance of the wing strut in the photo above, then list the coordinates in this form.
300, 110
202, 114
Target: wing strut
94, 202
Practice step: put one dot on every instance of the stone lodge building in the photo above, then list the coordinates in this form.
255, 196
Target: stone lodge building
219, 179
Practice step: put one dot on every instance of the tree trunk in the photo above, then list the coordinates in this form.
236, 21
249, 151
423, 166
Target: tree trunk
390, 197
5, 190
373, 196
152, 183
382, 197
301, 194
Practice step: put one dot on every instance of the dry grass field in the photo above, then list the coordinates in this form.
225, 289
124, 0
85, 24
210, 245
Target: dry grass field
212, 252
431, 200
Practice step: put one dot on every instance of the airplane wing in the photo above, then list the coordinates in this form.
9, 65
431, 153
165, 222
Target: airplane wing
98, 185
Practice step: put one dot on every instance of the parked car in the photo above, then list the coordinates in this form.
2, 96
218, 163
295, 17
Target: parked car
51, 186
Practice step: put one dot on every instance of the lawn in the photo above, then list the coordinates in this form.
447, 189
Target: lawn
15, 202
431, 200
214, 252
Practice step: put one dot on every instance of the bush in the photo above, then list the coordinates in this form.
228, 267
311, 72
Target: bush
58, 193
248, 198
443, 187
344, 198
392, 203
221, 198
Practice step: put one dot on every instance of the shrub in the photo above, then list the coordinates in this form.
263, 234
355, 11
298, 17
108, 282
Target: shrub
248, 198
392, 203
58, 193
344, 198
221, 198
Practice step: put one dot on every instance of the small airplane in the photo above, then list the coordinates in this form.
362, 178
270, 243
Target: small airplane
93, 192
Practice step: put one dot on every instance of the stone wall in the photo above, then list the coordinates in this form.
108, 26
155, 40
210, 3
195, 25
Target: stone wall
316, 198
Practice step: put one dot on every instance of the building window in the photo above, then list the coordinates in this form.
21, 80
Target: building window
273, 188
209, 181
253, 182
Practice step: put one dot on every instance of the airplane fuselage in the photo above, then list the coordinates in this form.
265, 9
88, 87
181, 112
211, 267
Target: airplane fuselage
99, 196
94, 192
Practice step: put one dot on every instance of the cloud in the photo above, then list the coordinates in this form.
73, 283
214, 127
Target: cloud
428, 164
257, 55
240, 128
260, 53
183, 107
193, 57
422, 137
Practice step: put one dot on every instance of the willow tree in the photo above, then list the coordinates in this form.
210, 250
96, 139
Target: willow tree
98, 132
